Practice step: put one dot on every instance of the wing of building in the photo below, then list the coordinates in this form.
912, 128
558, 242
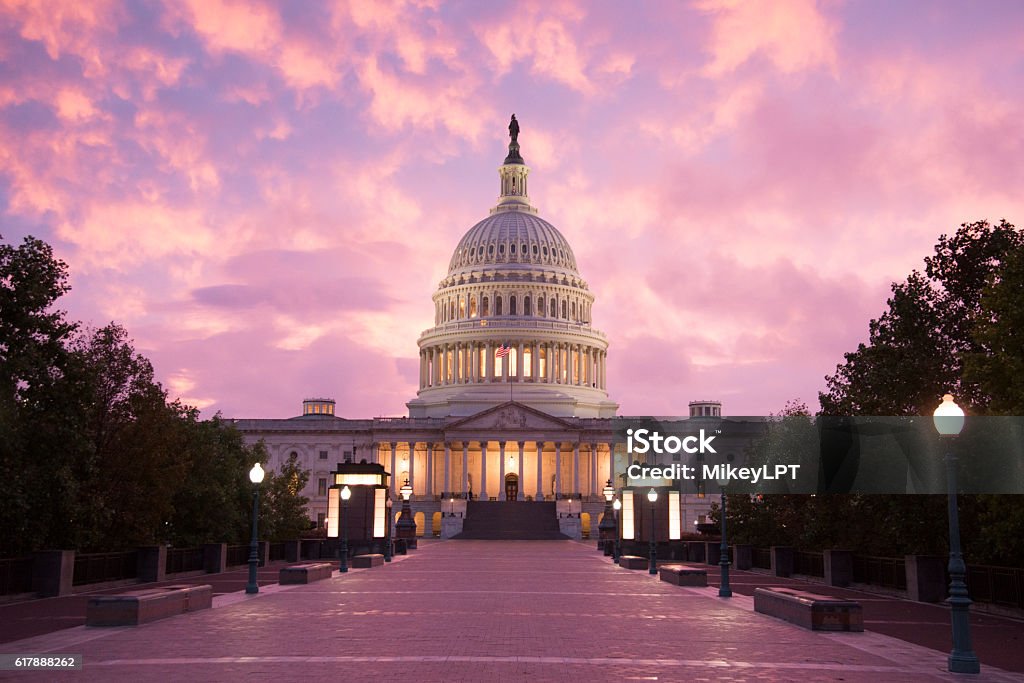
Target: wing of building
513, 399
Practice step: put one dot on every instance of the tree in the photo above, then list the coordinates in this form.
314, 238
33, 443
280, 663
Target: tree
956, 327
283, 508
996, 366
916, 349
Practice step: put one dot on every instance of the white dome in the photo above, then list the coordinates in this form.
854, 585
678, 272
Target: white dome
511, 237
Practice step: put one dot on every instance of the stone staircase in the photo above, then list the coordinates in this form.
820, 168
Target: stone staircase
510, 521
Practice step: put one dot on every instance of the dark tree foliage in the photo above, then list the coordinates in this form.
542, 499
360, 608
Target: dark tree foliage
92, 455
917, 349
956, 327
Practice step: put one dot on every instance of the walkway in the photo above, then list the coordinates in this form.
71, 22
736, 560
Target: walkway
487, 611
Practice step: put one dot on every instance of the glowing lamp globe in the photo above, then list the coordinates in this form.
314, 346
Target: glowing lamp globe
652, 495
346, 493
948, 417
256, 474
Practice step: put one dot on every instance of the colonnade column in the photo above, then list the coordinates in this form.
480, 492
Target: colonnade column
611, 462
522, 481
535, 359
501, 469
483, 469
489, 363
540, 470
412, 465
558, 469
519, 363
428, 468
446, 488
394, 475
593, 469
576, 467
465, 469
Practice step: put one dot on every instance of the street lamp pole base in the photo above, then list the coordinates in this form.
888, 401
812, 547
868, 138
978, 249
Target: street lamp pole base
964, 663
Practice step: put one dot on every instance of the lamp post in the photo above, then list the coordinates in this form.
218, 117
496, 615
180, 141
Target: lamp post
406, 526
346, 493
949, 420
616, 551
652, 496
724, 591
387, 528
607, 526
256, 477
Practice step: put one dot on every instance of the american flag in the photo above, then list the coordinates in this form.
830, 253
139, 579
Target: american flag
502, 351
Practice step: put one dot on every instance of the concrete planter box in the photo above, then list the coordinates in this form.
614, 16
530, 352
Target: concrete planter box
140, 607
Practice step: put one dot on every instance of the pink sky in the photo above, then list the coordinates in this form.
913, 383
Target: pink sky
266, 194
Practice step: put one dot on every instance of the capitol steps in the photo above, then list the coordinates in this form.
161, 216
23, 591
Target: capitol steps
510, 521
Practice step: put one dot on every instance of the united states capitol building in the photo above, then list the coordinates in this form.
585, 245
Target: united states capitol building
513, 401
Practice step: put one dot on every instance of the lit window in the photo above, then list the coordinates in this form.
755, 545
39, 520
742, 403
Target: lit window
528, 362
543, 369
472, 307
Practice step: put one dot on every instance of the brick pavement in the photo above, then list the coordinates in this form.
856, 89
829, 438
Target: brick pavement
486, 611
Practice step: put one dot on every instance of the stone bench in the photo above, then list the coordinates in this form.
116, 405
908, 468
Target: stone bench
683, 575
367, 561
142, 606
305, 573
634, 562
809, 610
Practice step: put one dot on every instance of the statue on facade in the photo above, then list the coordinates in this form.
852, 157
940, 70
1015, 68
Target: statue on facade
513, 129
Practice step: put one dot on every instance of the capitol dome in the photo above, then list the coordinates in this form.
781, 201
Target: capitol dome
512, 317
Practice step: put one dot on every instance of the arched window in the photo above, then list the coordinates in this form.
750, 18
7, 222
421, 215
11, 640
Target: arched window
472, 307
451, 310
497, 305
462, 307
512, 249
526, 305
485, 309
554, 309
574, 310
565, 310
512, 304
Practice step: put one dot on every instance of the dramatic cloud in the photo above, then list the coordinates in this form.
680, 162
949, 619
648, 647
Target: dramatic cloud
266, 195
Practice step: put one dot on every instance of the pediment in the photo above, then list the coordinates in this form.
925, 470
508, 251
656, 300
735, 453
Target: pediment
511, 416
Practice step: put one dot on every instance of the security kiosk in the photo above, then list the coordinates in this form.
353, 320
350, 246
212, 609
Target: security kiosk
365, 514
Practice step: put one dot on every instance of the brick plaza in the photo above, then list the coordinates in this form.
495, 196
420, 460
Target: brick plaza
508, 610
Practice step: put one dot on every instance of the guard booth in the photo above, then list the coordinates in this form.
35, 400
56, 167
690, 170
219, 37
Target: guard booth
640, 519
363, 519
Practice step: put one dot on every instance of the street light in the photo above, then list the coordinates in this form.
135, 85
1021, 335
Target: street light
256, 477
616, 548
406, 525
387, 528
346, 493
652, 496
607, 526
723, 590
949, 420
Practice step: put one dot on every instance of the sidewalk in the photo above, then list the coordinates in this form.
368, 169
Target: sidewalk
486, 611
